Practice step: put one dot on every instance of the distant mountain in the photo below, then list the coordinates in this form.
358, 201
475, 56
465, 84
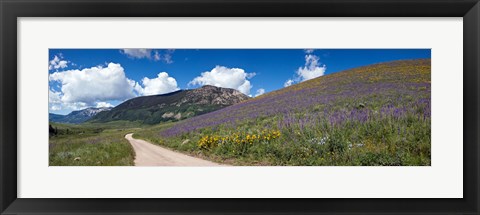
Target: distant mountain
76, 116
172, 106
55, 117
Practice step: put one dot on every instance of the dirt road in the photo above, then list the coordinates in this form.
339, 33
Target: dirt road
147, 154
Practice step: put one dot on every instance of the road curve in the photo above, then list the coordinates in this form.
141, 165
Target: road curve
147, 154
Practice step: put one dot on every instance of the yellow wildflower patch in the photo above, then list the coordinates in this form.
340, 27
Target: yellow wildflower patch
209, 141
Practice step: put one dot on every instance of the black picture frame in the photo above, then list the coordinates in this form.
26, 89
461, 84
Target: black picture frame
10, 10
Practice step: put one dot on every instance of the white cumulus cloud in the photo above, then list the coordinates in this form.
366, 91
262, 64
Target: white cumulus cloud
87, 86
54, 97
167, 57
57, 63
260, 91
288, 83
221, 76
54, 100
162, 84
156, 55
137, 53
93, 87
312, 68
103, 104
309, 51
55, 107
75, 105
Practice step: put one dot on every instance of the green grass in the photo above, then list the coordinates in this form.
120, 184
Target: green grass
91, 144
376, 143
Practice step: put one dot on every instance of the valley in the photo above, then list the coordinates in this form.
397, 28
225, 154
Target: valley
376, 115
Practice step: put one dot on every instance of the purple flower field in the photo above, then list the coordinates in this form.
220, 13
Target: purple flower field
373, 115
369, 97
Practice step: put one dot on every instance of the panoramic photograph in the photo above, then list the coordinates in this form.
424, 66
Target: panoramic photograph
239, 107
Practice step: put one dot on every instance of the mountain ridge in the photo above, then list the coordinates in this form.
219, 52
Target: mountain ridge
172, 106
77, 116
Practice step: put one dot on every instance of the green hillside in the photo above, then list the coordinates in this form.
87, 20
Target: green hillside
173, 106
373, 115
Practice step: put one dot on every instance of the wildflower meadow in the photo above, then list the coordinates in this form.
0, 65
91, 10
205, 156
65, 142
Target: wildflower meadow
376, 115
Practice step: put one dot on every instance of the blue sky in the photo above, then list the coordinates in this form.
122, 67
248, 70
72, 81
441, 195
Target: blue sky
81, 78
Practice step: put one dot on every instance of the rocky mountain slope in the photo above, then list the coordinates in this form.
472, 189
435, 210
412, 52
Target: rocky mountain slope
172, 106
76, 116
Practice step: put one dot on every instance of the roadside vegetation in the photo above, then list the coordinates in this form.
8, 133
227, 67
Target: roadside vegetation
91, 144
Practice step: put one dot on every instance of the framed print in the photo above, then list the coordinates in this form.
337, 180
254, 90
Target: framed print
239, 107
